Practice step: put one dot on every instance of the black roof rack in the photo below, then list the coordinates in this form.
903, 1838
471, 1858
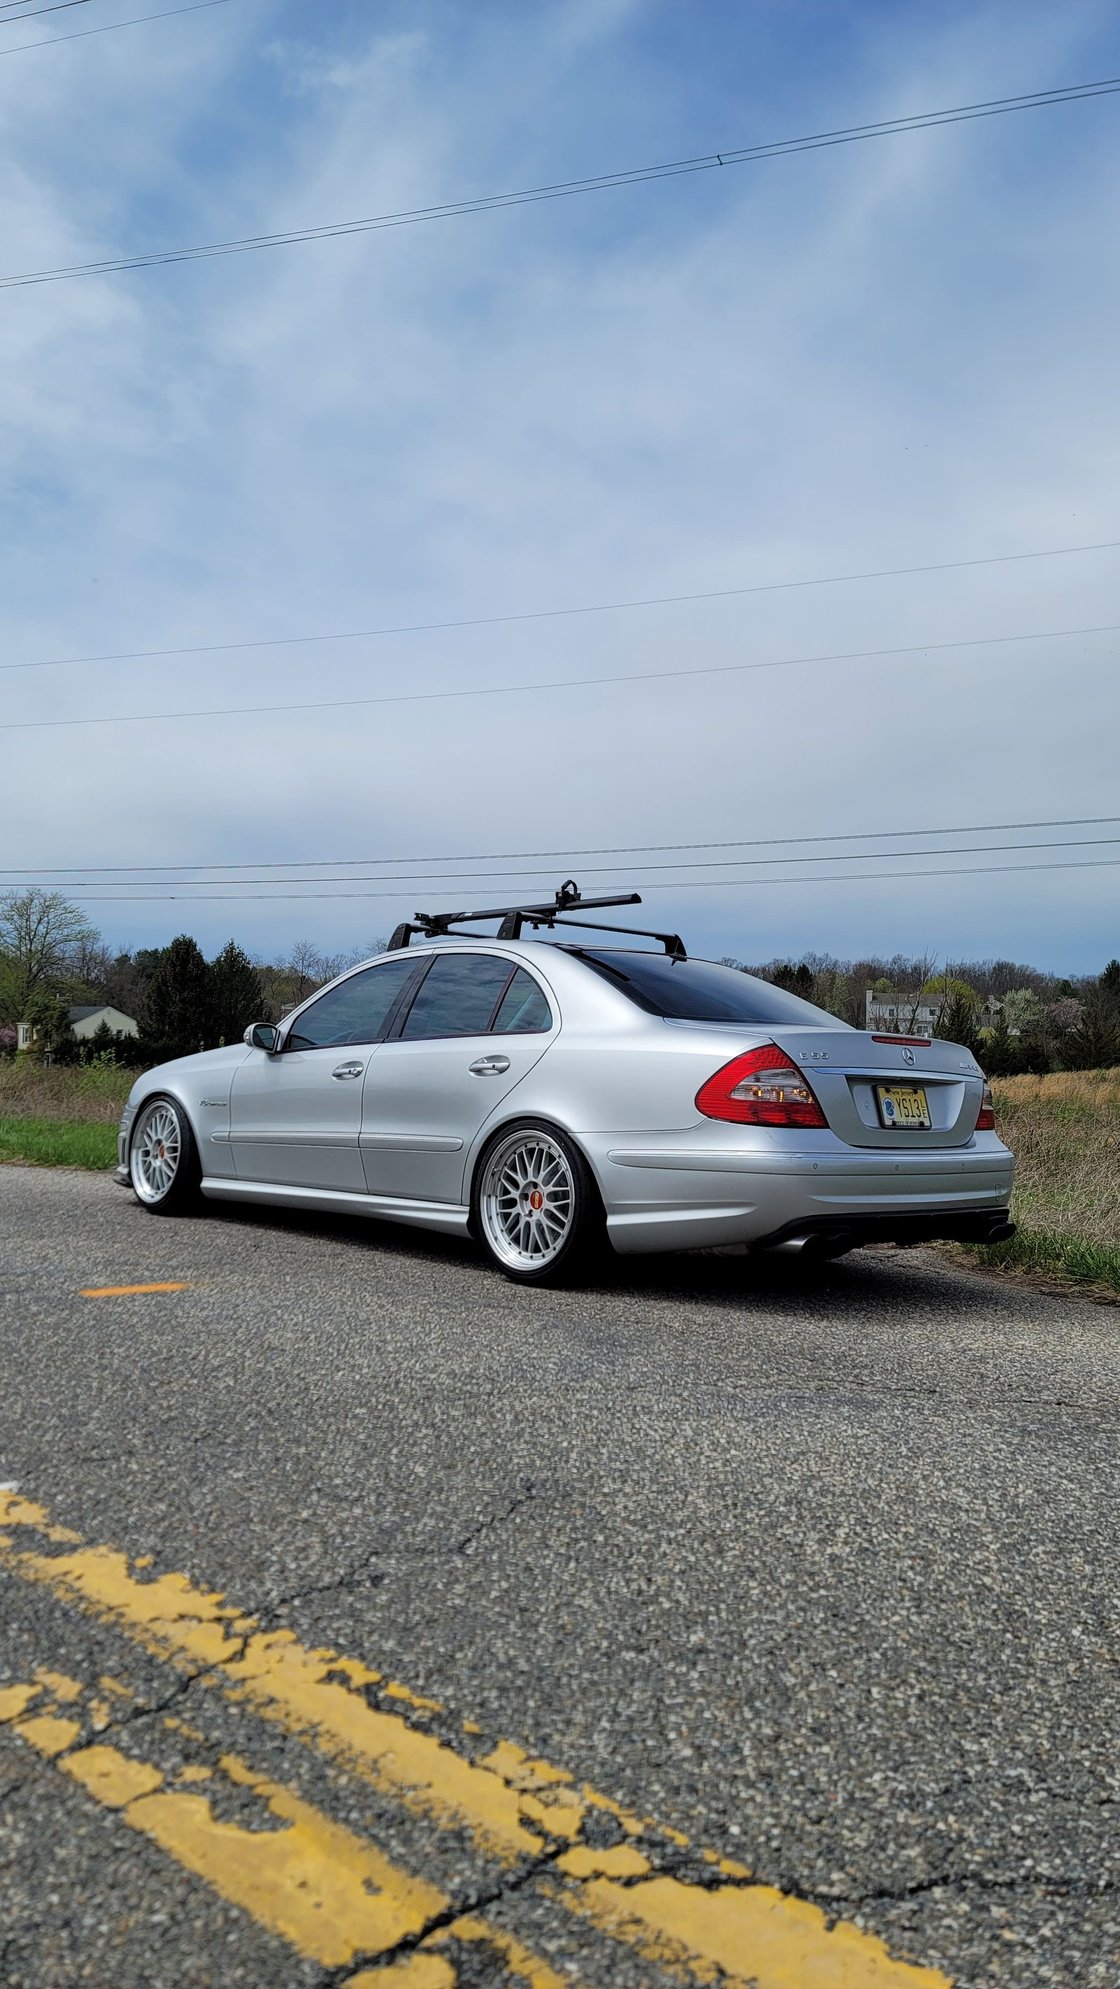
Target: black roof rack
436, 925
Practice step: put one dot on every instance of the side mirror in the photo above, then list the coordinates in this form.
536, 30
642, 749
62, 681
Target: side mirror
263, 1036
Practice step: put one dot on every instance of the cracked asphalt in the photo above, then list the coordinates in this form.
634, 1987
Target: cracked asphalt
817, 1568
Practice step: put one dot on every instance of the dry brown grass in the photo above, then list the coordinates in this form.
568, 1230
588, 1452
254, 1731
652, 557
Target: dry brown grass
1064, 1130
91, 1093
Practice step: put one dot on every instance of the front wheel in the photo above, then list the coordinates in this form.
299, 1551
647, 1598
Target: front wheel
535, 1207
163, 1161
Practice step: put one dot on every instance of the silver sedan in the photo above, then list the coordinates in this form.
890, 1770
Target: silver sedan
551, 1096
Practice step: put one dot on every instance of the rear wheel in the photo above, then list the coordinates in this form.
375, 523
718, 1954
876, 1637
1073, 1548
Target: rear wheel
163, 1162
535, 1207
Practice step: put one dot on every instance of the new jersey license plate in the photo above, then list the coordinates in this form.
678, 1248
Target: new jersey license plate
904, 1106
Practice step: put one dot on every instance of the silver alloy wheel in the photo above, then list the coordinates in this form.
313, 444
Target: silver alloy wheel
156, 1150
527, 1202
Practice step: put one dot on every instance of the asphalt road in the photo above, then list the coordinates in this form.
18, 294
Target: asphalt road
817, 1570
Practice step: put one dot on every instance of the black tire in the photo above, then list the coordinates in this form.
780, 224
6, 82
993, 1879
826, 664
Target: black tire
568, 1229
163, 1162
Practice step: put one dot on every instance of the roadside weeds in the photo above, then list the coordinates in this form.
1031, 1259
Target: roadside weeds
57, 1143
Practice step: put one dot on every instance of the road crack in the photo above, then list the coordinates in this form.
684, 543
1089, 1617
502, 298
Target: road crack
477, 1902
526, 1494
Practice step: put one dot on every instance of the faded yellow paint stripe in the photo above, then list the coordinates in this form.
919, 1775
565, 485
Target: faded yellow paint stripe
432, 1965
513, 1806
328, 1893
774, 1939
127, 1291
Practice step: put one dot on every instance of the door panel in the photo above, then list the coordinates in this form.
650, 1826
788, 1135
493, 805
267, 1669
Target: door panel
476, 1027
295, 1118
293, 1121
423, 1104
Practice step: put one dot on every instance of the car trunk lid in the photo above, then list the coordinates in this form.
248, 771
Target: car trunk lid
872, 1088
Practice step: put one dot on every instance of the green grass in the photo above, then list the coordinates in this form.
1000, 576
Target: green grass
1066, 1257
1064, 1131
58, 1143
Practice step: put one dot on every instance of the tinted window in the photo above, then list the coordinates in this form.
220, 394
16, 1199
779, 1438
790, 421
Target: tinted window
699, 991
458, 996
524, 1008
354, 1012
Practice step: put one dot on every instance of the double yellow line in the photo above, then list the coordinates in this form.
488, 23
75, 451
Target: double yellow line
333, 1895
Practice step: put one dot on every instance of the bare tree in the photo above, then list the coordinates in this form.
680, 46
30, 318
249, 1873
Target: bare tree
367, 952
41, 937
925, 966
304, 964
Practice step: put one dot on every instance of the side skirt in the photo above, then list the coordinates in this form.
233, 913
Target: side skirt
443, 1216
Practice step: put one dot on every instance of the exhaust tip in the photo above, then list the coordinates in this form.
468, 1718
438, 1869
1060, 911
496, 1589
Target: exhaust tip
1000, 1232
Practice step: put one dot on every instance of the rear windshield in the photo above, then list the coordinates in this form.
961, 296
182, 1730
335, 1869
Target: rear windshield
699, 991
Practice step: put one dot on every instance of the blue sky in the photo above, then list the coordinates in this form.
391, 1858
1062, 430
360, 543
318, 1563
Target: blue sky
881, 355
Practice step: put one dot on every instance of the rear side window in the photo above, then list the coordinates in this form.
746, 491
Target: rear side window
699, 991
524, 1010
354, 1012
458, 996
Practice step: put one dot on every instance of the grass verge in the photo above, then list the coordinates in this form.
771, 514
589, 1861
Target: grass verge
57, 1143
1064, 1131
92, 1093
1042, 1254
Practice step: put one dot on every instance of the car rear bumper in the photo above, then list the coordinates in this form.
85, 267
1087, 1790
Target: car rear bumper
682, 1197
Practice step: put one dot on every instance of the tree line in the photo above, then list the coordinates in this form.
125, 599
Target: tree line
52, 958
1013, 1017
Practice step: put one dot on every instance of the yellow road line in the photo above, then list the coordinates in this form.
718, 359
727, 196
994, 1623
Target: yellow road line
127, 1291
513, 1806
330, 1894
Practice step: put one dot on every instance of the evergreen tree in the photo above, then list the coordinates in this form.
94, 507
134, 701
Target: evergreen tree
1095, 1043
796, 980
49, 1016
178, 1017
235, 992
957, 1022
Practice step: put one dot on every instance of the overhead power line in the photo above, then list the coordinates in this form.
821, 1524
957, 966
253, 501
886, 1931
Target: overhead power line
109, 28
57, 7
722, 884
565, 189
101, 870
450, 879
522, 689
559, 614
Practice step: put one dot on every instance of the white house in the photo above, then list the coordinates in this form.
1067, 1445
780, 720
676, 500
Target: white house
85, 1021
901, 1014
908, 1015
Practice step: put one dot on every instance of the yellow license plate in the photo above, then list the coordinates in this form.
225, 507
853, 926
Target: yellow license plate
904, 1106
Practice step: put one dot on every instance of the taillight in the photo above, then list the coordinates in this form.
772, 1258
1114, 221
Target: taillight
986, 1123
762, 1088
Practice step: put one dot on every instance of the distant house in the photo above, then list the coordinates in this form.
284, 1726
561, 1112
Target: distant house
897, 1014
900, 1014
85, 1021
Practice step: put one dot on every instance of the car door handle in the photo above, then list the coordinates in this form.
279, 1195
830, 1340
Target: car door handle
348, 1070
489, 1066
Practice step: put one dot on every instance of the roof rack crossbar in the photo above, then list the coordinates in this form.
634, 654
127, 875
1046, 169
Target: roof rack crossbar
671, 941
437, 925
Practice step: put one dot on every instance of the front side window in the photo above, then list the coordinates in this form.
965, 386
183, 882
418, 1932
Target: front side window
458, 996
354, 1012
